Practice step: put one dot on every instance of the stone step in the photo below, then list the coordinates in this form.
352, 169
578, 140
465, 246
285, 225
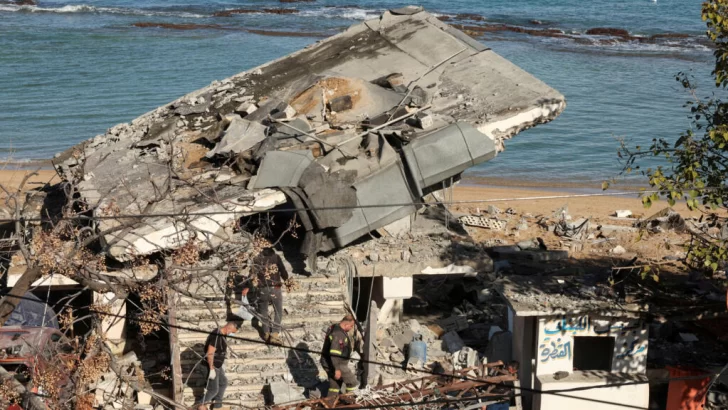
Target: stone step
215, 286
193, 330
247, 350
319, 298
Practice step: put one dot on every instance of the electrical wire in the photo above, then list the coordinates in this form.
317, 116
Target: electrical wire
423, 371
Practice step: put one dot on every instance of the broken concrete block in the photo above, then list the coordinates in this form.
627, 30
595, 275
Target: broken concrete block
240, 136
341, 103
623, 213
418, 97
246, 108
490, 223
397, 357
452, 341
529, 244
493, 210
282, 392
395, 80
283, 112
619, 250
425, 121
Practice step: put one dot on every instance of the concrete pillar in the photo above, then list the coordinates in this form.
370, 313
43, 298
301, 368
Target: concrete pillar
370, 352
114, 325
391, 311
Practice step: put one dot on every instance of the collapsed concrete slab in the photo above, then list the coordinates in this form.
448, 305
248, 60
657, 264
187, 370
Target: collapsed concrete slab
353, 131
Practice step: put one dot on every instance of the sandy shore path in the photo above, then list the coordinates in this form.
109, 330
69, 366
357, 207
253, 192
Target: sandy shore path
11, 179
595, 206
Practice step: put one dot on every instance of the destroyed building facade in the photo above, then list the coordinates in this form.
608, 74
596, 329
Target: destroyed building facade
567, 342
354, 138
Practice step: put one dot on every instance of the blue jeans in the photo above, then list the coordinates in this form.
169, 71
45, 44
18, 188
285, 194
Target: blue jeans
215, 388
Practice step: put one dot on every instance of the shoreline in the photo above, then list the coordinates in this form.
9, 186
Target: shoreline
535, 197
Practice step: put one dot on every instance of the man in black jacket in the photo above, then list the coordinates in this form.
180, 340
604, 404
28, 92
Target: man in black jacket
267, 275
215, 354
335, 357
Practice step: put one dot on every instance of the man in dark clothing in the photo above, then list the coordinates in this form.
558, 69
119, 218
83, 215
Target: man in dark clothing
215, 353
267, 275
335, 357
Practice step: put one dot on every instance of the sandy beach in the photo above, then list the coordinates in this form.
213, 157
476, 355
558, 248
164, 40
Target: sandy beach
521, 195
11, 180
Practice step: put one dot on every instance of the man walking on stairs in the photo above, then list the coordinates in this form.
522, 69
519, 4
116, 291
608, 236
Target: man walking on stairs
335, 357
267, 275
215, 353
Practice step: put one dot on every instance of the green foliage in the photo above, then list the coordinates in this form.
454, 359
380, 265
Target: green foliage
695, 167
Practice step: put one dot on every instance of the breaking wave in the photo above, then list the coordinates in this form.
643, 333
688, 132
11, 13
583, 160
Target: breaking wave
87, 9
342, 12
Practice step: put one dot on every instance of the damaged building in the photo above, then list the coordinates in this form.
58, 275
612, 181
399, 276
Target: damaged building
350, 145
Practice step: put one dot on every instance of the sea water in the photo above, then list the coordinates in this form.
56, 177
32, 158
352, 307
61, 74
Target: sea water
71, 69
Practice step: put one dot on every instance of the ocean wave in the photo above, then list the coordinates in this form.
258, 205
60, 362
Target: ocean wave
88, 9
343, 12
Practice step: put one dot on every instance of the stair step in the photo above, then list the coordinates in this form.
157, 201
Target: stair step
196, 313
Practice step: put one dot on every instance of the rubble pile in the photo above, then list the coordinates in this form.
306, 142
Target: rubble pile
349, 137
466, 335
376, 115
112, 392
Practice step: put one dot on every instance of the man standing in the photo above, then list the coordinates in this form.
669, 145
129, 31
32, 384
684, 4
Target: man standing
215, 352
335, 357
267, 275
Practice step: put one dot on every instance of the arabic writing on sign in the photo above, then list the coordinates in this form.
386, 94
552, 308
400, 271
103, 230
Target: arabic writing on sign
574, 325
600, 330
631, 351
554, 349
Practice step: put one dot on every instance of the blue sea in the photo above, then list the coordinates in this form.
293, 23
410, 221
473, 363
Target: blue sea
71, 69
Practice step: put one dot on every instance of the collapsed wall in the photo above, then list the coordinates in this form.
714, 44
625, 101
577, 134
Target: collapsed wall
380, 114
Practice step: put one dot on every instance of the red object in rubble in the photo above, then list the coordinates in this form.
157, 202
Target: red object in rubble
688, 394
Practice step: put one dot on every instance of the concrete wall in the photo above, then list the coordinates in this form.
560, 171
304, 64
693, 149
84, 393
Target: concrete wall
555, 351
524, 352
599, 397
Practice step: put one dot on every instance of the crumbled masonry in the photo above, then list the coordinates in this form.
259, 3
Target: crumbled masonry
384, 112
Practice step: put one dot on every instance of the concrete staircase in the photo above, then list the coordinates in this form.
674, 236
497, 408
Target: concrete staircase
309, 310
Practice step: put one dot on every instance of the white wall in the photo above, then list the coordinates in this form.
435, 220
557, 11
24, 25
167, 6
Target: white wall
555, 342
632, 396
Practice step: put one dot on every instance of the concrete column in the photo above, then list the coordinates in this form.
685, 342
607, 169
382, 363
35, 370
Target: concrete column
370, 352
114, 326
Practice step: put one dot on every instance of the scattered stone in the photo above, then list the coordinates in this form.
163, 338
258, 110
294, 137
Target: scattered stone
619, 250
246, 108
493, 210
283, 112
561, 375
623, 213
374, 257
425, 121
529, 244
397, 357
522, 226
